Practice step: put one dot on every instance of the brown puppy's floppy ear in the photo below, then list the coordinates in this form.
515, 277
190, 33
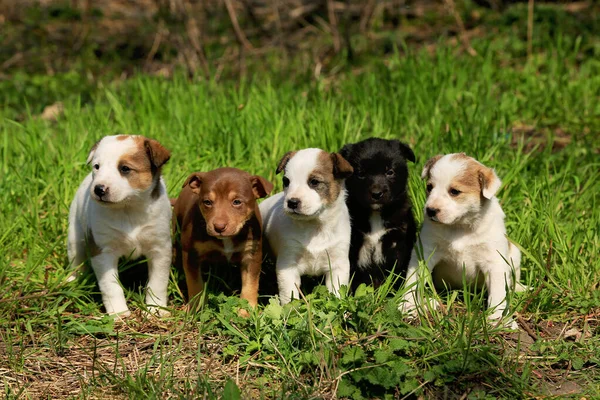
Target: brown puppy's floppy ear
157, 154
341, 168
406, 151
260, 186
429, 164
284, 160
194, 181
92, 151
489, 182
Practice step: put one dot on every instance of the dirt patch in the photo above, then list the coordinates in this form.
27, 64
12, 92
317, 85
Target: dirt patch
539, 139
89, 361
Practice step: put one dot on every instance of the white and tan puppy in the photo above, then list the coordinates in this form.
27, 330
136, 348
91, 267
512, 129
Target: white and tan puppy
307, 225
463, 233
122, 210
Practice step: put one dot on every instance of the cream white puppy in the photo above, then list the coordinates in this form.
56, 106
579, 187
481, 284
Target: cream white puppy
463, 233
307, 225
121, 209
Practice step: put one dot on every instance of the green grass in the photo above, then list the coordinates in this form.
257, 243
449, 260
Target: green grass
536, 121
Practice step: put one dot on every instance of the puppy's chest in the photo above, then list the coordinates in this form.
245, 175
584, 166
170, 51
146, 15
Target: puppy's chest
371, 251
227, 249
462, 250
135, 241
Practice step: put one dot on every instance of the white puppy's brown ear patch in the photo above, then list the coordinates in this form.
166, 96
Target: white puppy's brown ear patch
260, 186
341, 167
93, 151
489, 182
157, 154
429, 164
194, 181
284, 160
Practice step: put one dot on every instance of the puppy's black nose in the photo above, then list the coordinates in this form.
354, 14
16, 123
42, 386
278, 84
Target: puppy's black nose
219, 227
431, 211
293, 203
376, 195
100, 190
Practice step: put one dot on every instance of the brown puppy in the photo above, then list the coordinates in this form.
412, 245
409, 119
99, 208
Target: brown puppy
220, 222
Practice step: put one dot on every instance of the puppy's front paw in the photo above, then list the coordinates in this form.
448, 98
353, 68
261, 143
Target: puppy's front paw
120, 315
154, 311
243, 313
408, 306
507, 322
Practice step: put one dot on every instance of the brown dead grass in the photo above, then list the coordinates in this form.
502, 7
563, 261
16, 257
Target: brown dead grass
540, 138
88, 361
97, 365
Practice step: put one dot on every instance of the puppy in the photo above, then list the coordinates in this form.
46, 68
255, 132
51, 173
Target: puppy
307, 226
383, 227
122, 209
463, 233
220, 222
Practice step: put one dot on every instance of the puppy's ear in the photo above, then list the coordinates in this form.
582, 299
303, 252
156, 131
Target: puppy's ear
93, 151
341, 168
157, 154
489, 182
406, 151
194, 181
284, 160
346, 150
260, 186
428, 165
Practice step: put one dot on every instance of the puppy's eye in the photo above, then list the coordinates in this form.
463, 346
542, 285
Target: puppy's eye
124, 169
286, 182
360, 175
429, 187
236, 202
454, 192
96, 166
389, 173
313, 183
207, 203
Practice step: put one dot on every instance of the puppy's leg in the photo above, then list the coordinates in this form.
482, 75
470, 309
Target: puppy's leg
193, 279
409, 301
412, 296
105, 267
288, 280
75, 245
497, 279
337, 276
514, 257
250, 270
159, 265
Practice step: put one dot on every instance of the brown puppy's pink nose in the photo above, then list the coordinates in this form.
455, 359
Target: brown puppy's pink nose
219, 227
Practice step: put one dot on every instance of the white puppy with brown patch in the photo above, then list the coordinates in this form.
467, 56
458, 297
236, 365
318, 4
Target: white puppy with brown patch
463, 233
121, 209
307, 225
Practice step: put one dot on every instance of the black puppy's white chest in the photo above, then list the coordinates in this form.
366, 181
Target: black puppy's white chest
371, 251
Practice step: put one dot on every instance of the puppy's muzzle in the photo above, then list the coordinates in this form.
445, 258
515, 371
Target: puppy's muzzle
293, 203
219, 227
100, 191
431, 212
376, 195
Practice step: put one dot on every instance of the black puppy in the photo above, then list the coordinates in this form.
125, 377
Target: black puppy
383, 226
